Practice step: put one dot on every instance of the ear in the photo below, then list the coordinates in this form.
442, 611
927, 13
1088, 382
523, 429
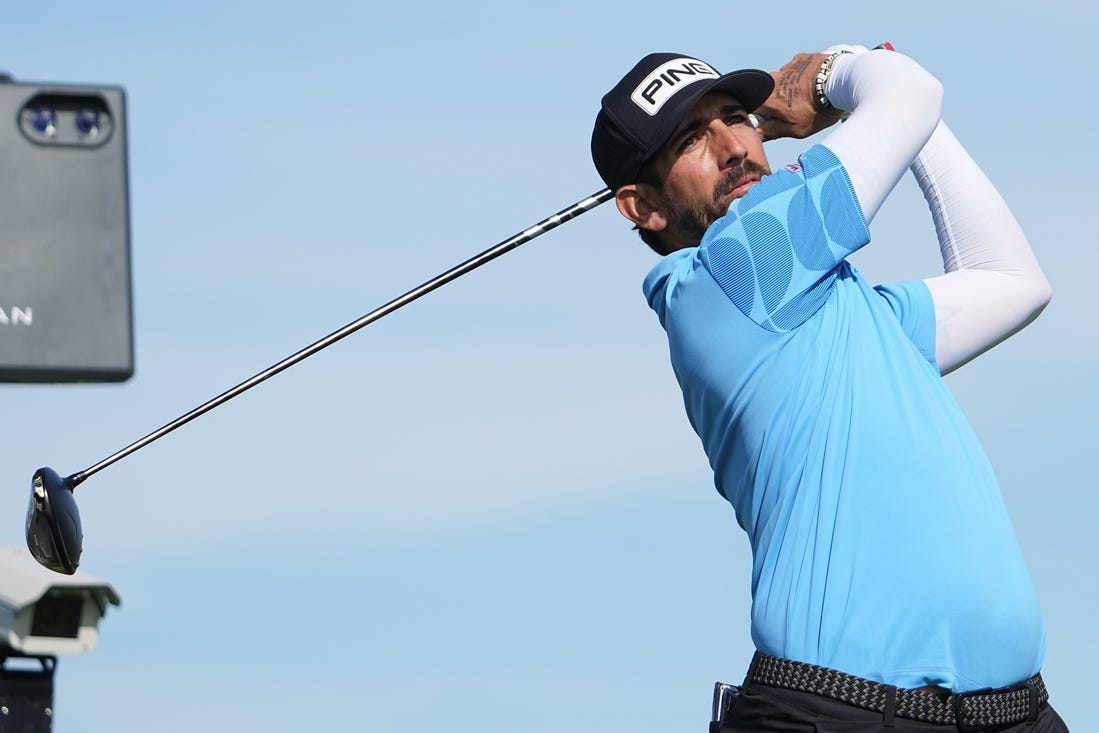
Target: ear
639, 203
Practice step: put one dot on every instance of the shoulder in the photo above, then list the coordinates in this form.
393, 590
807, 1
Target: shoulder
665, 272
817, 178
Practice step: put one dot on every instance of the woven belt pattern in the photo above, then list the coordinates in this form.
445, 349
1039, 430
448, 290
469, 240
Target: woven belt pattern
976, 709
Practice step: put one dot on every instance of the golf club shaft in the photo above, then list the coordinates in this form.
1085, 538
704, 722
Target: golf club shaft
474, 262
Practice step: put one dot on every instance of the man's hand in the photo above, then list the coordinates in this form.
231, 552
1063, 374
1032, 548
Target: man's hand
792, 109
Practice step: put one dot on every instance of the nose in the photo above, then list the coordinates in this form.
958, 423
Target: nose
730, 148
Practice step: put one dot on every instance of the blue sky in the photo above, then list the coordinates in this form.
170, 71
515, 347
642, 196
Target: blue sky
486, 510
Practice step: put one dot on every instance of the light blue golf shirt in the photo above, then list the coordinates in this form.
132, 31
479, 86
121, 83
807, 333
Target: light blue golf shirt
881, 545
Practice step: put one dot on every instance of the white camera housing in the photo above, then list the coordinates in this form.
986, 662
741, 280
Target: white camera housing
45, 613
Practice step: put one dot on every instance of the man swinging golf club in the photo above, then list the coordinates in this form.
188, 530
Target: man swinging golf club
888, 589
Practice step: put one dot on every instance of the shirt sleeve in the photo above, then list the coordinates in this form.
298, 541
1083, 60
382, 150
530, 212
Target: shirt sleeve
775, 254
911, 303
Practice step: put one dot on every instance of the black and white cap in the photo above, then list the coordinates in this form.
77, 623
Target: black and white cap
642, 111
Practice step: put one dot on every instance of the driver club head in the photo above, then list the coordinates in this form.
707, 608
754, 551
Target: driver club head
54, 535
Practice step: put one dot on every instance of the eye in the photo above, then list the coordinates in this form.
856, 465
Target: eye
686, 142
736, 118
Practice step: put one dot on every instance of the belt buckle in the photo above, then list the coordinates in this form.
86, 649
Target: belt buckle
959, 718
724, 694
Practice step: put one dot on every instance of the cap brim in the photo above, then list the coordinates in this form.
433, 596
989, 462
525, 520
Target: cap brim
751, 87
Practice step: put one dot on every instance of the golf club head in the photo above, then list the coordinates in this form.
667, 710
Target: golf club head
54, 535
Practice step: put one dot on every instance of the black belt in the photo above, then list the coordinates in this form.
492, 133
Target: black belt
967, 711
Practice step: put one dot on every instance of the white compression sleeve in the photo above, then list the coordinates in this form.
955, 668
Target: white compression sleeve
894, 107
993, 284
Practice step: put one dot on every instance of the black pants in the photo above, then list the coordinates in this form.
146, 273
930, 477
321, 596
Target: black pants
763, 709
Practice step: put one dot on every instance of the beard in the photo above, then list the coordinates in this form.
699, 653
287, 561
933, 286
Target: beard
689, 220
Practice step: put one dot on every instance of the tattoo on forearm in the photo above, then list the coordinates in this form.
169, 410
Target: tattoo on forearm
790, 79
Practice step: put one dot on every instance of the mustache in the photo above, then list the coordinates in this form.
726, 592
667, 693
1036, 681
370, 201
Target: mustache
729, 181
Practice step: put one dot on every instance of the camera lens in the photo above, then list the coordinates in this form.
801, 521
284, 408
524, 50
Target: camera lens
87, 122
44, 120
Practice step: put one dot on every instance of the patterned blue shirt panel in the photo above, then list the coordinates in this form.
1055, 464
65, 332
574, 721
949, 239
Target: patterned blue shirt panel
775, 253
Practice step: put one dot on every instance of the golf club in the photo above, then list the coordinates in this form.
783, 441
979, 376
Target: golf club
54, 533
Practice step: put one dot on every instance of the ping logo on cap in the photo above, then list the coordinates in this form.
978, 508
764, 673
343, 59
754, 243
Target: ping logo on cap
667, 79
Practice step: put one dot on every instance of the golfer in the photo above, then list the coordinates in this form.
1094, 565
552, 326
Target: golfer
888, 588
